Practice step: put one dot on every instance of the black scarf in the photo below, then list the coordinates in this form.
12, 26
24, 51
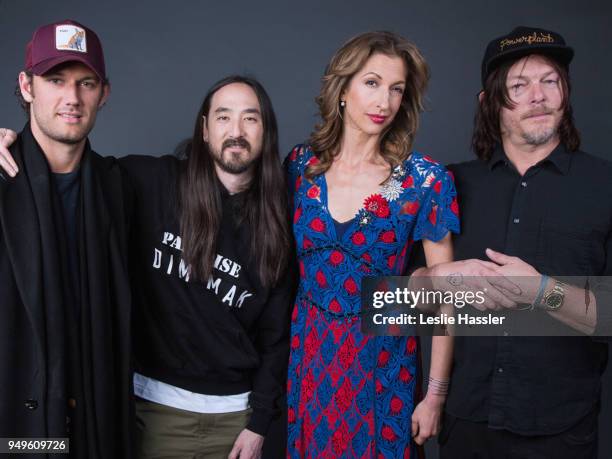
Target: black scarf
102, 327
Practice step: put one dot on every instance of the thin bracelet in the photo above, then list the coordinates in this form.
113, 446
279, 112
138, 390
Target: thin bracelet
438, 386
540, 294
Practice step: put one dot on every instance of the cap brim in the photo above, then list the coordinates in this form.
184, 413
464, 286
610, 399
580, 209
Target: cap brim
43, 67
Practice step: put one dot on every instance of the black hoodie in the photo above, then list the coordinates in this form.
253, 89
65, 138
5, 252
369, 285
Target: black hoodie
226, 336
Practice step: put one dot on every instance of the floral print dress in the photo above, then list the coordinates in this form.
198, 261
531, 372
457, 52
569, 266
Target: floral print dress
351, 394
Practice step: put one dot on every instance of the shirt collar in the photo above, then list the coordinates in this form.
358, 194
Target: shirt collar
559, 158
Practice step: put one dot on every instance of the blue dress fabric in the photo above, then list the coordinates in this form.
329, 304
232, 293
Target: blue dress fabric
351, 394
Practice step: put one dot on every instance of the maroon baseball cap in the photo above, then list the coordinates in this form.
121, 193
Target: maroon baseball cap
64, 41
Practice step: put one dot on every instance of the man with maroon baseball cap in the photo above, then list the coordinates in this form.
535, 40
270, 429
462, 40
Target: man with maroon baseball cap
64, 315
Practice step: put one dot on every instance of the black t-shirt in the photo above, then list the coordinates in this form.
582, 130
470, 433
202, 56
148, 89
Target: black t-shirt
68, 188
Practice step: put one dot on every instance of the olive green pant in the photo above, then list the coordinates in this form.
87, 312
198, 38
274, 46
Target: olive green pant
166, 432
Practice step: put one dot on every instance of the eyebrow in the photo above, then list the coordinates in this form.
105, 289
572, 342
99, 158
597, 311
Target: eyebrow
63, 75
523, 77
377, 75
226, 109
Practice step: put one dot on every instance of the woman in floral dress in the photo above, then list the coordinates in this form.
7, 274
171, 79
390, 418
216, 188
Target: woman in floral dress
361, 197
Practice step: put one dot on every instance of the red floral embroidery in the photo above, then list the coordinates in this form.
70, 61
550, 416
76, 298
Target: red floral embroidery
408, 182
410, 208
295, 342
302, 269
411, 345
344, 396
308, 386
437, 186
383, 358
379, 386
318, 225
340, 439
350, 286
294, 314
388, 433
307, 243
336, 257
346, 353
320, 277
334, 306
298, 182
310, 345
291, 415
313, 192
367, 257
387, 237
454, 207
312, 161
391, 261
433, 216
297, 214
358, 238
405, 375
396, 405
377, 205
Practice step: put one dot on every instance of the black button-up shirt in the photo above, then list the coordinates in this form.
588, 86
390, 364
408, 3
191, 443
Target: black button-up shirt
558, 218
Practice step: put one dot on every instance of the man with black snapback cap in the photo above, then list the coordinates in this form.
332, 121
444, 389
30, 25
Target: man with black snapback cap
65, 299
545, 208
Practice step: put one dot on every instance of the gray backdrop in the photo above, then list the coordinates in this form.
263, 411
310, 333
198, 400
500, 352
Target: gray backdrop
161, 58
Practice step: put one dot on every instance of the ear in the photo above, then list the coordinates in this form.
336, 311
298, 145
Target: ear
204, 129
106, 90
481, 96
25, 85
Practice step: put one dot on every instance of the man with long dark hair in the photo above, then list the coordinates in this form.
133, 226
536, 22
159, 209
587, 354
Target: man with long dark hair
210, 256
211, 282
539, 208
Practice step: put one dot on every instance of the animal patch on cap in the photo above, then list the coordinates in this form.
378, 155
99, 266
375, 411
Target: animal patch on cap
69, 37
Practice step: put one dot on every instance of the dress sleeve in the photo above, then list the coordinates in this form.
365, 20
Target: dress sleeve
439, 211
294, 165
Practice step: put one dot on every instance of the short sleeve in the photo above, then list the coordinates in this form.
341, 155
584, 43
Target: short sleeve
439, 211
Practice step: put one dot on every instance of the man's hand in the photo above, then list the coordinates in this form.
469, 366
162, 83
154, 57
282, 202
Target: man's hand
247, 446
7, 138
426, 418
523, 274
477, 275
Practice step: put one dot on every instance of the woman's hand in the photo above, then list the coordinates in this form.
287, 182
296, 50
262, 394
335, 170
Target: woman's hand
426, 418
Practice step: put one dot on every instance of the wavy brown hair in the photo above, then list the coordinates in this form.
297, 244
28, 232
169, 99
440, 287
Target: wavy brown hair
264, 204
487, 131
396, 141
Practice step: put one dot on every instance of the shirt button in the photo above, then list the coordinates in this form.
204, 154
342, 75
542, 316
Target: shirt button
31, 404
516, 220
72, 403
524, 184
500, 370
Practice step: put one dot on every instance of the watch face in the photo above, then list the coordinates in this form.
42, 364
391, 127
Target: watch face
554, 301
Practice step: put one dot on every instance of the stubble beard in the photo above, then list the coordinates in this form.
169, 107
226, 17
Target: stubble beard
540, 136
68, 139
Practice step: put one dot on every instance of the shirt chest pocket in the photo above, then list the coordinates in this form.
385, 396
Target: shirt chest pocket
567, 248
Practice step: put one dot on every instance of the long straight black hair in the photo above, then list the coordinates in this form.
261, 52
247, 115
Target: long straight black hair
263, 209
